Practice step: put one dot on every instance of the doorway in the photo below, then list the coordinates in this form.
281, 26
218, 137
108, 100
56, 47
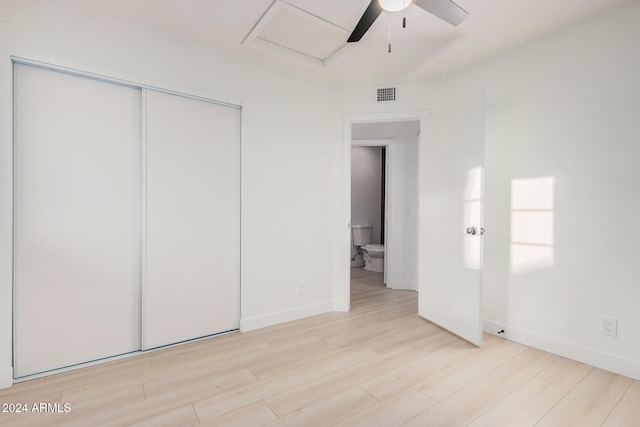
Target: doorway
368, 194
397, 229
449, 155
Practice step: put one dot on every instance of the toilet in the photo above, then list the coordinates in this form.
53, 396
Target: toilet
373, 257
372, 253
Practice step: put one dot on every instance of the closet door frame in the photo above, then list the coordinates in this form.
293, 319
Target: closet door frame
19, 60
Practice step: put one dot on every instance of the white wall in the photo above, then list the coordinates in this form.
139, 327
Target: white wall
366, 191
404, 219
288, 159
566, 107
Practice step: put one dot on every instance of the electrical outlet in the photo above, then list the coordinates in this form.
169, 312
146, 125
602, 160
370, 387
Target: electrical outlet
301, 290
608, 326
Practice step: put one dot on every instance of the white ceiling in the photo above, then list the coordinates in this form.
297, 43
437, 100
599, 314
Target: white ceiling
428, 47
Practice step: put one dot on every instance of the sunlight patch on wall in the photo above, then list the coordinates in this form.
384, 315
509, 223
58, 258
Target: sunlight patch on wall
532, 224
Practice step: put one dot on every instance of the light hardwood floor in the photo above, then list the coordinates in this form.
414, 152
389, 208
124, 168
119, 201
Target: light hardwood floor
378, 365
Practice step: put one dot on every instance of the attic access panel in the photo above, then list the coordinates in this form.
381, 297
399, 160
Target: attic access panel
289, 31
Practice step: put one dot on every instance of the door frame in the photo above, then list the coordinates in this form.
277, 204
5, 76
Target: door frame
388, 171
343, 277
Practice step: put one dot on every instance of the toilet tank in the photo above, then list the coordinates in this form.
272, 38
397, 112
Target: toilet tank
361, 234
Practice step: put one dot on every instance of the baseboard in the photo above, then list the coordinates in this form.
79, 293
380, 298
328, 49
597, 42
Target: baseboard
402, 285
341, 305
6, 377
257, 322
606, 361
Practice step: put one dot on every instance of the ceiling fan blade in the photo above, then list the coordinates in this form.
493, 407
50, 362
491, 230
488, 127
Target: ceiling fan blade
444, 9
368, 18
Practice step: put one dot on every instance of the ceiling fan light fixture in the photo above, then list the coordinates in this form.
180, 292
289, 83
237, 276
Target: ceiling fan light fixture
394, 5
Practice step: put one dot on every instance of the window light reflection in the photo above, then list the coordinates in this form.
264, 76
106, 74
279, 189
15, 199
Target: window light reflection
532, 224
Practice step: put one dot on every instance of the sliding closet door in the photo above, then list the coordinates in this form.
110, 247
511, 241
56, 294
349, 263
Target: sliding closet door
192, 285
77, 220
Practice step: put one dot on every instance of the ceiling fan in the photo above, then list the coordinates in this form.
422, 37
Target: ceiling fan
446, 10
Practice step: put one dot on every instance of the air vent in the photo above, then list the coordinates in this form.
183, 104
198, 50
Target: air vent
387, 94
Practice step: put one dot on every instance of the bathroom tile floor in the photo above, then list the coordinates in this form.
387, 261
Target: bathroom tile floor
378, 365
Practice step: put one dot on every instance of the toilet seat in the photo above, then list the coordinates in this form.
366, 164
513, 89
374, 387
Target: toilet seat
375, 248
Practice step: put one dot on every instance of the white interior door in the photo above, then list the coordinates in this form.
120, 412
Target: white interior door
77, 220
451, 201
192, 281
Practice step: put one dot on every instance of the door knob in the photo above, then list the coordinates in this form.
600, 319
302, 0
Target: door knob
472, 230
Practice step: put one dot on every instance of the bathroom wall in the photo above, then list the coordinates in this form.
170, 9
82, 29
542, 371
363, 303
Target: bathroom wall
366, 179
403, 222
